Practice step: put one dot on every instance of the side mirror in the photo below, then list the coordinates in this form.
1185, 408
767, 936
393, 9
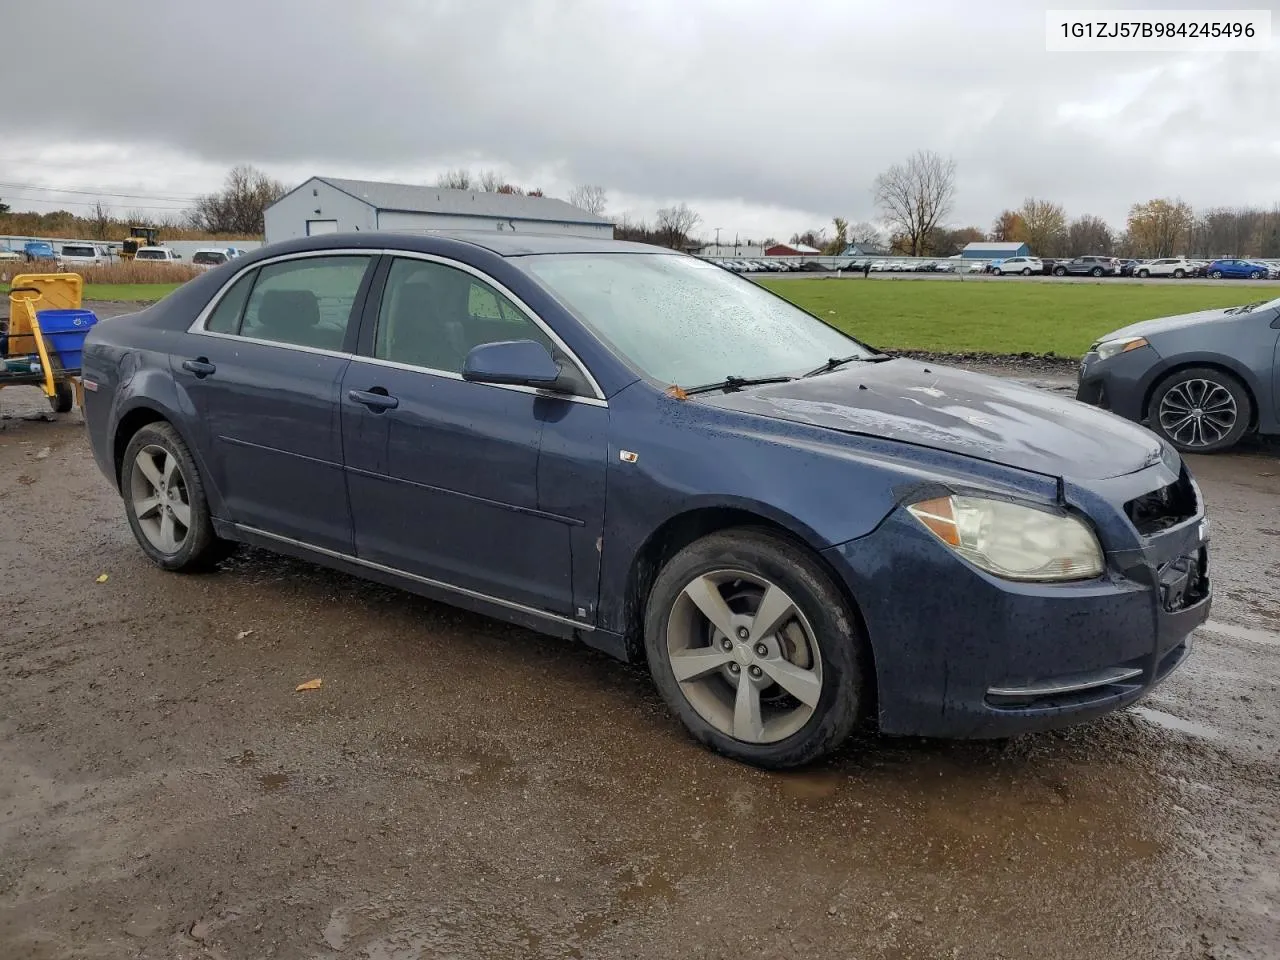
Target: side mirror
524, 363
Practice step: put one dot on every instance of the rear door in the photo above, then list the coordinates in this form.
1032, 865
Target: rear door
494, 490
261, 373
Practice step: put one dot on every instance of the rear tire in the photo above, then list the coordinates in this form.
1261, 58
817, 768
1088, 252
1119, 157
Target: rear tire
1143, 274
165, 502
1096, 271
1179, 274
1059, 271
812, 641
1226, 410
1217, 274
1026, 271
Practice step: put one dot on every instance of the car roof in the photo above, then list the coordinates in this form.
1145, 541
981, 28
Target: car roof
140, 249
503, 243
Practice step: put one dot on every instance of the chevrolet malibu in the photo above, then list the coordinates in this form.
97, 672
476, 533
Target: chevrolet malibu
616, 443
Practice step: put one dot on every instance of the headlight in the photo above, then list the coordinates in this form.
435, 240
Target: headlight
1109, 348
1013, 541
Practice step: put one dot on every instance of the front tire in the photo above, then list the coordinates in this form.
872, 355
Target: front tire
997, 271
1096, 271
1143, 274
165, 502
1059, 271
1200, 410
755, 649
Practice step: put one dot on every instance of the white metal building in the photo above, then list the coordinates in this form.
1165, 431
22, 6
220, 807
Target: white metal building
329, 205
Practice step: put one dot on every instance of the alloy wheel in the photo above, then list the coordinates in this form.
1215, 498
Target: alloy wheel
160, 497
1198, 413
745, 656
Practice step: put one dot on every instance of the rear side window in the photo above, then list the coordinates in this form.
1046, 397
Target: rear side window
226, 315
306, 302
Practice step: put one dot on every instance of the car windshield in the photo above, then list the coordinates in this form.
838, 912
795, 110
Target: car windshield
680, 320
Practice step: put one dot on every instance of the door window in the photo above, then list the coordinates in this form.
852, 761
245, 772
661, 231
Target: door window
226, 315
306, 302
432, 315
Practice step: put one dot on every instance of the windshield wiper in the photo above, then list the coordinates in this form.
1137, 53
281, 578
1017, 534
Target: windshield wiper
835, 362
1246, 308
734, 383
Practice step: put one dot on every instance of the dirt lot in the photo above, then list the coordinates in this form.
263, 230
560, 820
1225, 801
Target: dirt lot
462, 788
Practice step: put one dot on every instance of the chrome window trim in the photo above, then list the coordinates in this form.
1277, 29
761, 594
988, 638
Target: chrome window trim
427, 581
198, 325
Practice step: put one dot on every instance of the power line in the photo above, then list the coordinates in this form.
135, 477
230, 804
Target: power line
96, 193
82, 203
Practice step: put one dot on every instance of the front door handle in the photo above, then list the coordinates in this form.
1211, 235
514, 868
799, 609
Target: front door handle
201, 368
375, 398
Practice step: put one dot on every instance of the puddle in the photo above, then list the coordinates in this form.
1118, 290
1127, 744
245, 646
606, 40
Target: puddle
810, 786
1169, 722
1249, 634
273, 781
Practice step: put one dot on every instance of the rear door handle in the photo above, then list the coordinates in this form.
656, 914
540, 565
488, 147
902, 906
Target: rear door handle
376, 399
201, 368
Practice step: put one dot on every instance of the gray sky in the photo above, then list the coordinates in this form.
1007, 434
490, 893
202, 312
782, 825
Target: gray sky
766, 117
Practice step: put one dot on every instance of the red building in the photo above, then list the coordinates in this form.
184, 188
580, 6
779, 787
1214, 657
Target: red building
792, 250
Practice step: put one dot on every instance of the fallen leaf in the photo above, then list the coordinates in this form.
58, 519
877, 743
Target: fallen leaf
309, 685
102, 578
244, 633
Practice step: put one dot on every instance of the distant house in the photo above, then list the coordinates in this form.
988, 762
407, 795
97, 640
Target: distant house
864, 250
792, 250
330, 205
994, 250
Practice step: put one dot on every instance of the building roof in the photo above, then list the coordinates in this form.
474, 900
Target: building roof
408, 198
797, 247
998, 246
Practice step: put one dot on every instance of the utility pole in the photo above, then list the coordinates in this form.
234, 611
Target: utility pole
718, 241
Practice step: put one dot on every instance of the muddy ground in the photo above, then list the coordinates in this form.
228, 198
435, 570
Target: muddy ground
461, 788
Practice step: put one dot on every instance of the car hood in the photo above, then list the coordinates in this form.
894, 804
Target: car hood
1150, 328
966, 413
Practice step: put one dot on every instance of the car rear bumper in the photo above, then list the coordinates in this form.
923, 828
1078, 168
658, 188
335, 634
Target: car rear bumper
960, 653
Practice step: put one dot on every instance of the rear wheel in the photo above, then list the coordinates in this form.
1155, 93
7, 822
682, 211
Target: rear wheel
1026, 271
1144, 274
1059, 271
165, 502
1200, 410
1096, 271
755, 649
1217, 274
1179, 273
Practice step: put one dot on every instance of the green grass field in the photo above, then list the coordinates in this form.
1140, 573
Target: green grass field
124, 292
999, 317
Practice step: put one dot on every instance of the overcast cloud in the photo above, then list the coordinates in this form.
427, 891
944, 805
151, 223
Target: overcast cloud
766, 117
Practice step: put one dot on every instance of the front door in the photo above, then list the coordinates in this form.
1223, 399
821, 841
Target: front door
261, 379
444, 474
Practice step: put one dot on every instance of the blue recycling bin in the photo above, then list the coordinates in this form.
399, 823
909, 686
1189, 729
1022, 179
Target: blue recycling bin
64, 332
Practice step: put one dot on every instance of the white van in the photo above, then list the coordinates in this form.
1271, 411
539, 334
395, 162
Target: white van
80, 255
157, 255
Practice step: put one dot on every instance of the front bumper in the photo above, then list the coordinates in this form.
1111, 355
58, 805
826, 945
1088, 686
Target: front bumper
1119, 383
960, 653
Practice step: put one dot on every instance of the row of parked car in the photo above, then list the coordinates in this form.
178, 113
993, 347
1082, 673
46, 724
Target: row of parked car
70, 255
1176, 267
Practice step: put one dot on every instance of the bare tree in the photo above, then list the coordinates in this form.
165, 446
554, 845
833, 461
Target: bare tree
238, 208
100, 217
916, 195
1089, 235
490, 181
866, 233
454, 180
588, 197
674, 224
1046, 226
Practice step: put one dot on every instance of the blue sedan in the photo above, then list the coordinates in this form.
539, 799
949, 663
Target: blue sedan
632, 447
1237, 270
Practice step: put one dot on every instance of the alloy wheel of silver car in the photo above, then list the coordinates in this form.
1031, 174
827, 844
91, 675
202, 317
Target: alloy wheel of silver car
1198, 413
745, 656
161, 502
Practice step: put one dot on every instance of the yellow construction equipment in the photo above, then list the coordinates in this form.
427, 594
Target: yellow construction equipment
42, 343
138, 237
